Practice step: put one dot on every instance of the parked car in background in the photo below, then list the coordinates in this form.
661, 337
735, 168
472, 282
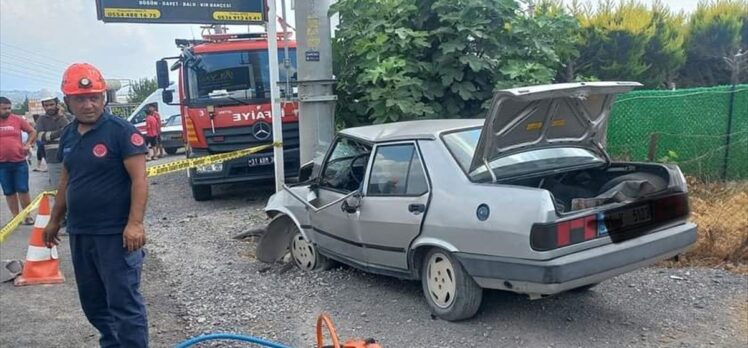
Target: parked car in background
527, 200
172, 135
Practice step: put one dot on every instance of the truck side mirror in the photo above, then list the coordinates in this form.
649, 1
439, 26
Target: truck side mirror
167, 96
162, 74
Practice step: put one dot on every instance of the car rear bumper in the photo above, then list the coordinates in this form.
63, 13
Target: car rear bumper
585, 267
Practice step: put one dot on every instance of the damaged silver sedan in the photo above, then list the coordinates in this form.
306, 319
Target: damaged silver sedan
527, 200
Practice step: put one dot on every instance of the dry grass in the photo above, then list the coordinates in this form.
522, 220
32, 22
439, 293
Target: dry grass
721, 211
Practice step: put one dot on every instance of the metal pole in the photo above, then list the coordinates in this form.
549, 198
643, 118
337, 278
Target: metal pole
730, 112
315, 80
275, 95
286, 59
736, 70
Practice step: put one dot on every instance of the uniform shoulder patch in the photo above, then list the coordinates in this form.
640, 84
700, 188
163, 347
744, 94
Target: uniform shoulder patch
100, 150
137, 139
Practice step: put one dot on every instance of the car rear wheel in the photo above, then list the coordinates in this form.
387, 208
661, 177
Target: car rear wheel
306, 256
171, 150
450, 292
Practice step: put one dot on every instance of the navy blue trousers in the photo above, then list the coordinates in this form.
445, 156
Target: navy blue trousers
108, 278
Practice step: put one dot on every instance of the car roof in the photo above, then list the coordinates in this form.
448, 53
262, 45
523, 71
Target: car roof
409, 130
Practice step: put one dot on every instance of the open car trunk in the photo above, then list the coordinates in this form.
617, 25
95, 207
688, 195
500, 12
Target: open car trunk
589, 188
532, 118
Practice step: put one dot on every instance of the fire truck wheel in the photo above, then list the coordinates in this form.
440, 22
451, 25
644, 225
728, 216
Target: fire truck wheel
201, 192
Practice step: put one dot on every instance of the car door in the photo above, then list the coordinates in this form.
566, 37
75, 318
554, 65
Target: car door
342, 175
394, 204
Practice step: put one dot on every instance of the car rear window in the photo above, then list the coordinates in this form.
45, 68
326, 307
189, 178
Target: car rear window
462, 146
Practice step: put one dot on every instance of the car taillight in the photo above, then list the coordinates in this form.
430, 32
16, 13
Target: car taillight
564, 233
191, 134
620, 223
671, 207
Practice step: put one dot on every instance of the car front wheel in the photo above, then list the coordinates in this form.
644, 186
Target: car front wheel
450, 292
306, 256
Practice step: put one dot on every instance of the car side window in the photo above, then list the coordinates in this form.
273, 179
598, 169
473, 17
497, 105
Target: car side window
174, 120
139, 117
346, 166
397, 171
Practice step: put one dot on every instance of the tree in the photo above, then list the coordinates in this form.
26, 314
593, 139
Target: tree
408, 59
665, 52
714, 33
23, 108
616, 40
141, 89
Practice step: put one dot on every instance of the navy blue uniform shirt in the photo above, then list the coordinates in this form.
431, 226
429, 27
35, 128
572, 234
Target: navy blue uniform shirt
98, 192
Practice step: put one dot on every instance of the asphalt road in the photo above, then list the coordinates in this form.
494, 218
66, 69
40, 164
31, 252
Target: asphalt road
198, 279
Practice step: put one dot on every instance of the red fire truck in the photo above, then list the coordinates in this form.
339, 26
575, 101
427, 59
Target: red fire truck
224, 97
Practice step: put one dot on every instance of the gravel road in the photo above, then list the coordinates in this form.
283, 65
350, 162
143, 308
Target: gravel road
223, 288
199, 279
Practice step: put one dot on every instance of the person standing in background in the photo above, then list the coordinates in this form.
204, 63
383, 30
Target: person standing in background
151, 134
14, 170
159, 146
50, 127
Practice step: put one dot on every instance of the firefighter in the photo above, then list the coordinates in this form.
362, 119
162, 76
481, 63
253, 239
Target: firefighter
49, 127
103, 189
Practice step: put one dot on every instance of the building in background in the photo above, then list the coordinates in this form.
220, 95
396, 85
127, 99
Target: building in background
35, 106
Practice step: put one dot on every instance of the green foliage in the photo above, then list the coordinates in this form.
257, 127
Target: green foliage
670, 157
141, 89
400, 60
408, 59
21, 109
616, 41
714, 32
665, 52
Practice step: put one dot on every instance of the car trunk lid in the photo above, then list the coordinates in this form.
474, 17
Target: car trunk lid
527, 118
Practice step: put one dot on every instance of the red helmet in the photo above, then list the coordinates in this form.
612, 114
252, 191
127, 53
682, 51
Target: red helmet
82, 78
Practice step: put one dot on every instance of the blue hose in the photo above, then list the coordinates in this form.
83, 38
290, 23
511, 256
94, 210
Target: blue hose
227, 336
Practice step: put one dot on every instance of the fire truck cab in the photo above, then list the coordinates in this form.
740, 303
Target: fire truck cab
224, 98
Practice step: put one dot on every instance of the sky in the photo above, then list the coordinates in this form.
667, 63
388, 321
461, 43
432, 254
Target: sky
39, 38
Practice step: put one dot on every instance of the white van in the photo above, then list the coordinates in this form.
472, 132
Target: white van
137, 118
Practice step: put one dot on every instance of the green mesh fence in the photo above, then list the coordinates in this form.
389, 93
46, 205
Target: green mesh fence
688, 127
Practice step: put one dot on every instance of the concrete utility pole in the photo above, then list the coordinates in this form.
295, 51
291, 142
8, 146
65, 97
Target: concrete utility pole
315, 79
272, 31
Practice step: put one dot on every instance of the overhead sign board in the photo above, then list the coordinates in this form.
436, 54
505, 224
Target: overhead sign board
184, 11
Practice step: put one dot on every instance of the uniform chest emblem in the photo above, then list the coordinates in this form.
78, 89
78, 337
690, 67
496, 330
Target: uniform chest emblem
100, 150
137, 139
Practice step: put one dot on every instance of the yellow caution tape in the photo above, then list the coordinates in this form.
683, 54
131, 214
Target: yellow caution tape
176, 166
18, 219
157, 170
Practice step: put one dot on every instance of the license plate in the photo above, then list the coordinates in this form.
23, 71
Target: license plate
260, 161
630, 217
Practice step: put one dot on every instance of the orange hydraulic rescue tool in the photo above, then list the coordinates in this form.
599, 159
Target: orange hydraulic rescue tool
327, 322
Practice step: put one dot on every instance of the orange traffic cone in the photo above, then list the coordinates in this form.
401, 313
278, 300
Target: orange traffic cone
42, 265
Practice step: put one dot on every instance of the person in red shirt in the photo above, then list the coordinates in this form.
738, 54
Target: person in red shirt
14, 170
152, 127
159, 147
